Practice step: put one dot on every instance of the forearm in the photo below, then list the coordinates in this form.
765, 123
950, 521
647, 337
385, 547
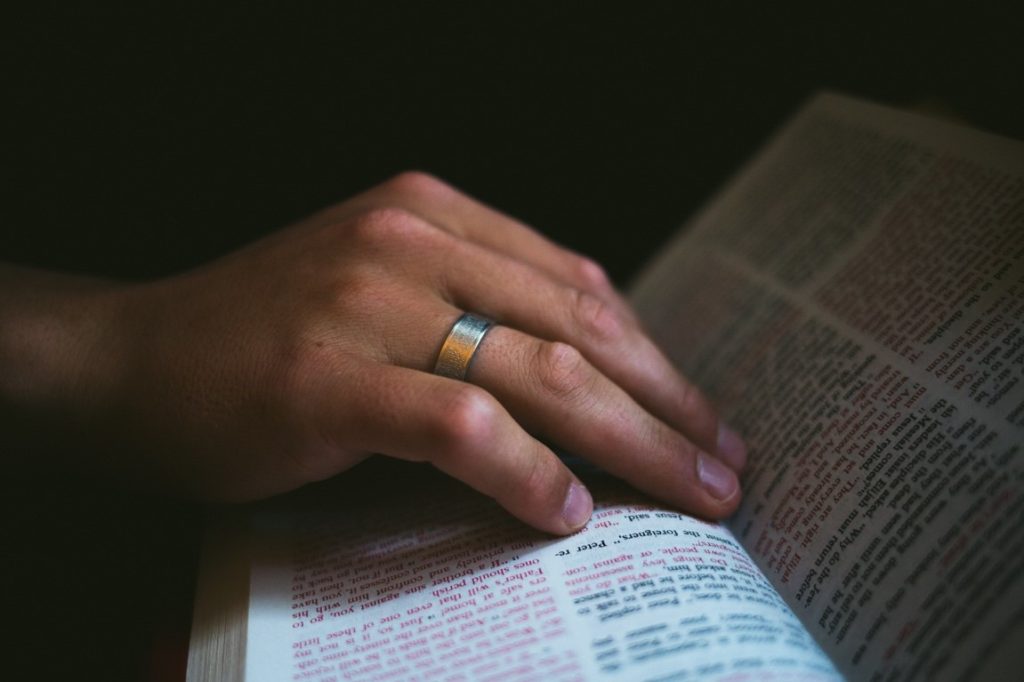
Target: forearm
58, 349
293, 359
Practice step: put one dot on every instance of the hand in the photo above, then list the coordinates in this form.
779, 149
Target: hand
292, 359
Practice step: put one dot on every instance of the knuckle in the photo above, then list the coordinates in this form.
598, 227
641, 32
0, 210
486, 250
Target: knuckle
692, 401
595, 318
418, 184
591, 272
562, 370
659, 444
536, 484
467, 421
385, 225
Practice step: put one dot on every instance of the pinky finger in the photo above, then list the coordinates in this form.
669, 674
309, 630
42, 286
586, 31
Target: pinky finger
465, 432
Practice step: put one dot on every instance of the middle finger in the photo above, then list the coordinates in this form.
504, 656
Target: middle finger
519, 295
552, 390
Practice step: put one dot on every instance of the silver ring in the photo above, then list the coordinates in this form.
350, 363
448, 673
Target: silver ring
460, 346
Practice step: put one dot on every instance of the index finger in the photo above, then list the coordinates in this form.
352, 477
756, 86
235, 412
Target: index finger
446, 207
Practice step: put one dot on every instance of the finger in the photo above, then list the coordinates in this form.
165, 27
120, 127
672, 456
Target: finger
552, 389
459, 214
483, 281
503, 288
464, 432
480, 280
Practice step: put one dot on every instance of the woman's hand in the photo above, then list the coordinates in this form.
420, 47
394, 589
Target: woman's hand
293, 359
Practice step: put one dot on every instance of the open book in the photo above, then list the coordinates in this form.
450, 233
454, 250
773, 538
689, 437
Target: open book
854, 303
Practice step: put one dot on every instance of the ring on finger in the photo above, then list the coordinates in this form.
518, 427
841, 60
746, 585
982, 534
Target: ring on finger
460, 346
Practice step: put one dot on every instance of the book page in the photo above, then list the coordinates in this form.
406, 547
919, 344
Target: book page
854, 302
441, 583
217, 642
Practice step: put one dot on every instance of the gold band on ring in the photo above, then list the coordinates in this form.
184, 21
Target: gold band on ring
460, 346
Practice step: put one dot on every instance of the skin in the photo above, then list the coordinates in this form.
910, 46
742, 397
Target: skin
293, 359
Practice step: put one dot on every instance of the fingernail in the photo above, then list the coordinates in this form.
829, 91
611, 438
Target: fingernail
731, 448
578, 506
718, 479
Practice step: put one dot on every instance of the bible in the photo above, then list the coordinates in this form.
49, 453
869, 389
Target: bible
853, 301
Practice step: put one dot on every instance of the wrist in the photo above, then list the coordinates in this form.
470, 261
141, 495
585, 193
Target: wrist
60, 339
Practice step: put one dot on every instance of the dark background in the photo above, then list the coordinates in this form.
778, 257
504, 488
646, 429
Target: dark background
143, 140
140, 141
